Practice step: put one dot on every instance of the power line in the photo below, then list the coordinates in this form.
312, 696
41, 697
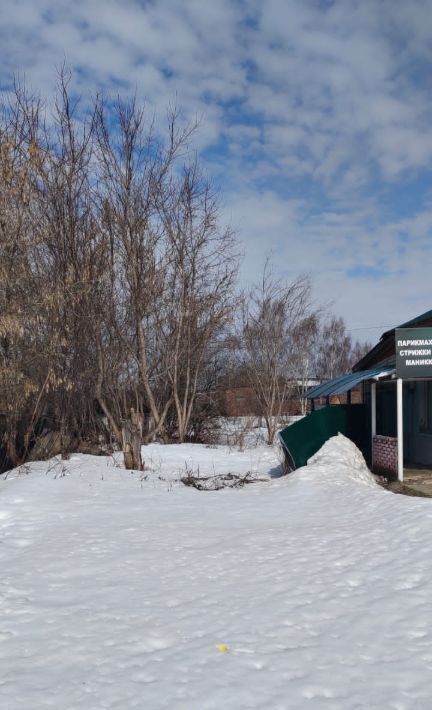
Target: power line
372, 327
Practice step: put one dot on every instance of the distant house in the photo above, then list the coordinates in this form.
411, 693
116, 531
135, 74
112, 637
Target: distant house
242, 401
239, 402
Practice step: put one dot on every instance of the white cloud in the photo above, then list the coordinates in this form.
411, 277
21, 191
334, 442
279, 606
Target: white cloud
319, 109
331, 246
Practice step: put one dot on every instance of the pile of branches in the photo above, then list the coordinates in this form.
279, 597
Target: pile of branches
216, 483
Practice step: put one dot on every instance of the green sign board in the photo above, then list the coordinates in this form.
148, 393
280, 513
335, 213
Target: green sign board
413, 353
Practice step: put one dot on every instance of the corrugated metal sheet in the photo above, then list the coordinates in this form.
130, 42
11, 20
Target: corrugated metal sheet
346, 382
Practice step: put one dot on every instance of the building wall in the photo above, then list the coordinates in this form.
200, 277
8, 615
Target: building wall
242, 402
385, 455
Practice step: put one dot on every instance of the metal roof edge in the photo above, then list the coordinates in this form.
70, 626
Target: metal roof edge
344, 383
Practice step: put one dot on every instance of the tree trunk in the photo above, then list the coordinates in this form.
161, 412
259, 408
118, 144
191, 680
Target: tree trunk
11, 449
131, 438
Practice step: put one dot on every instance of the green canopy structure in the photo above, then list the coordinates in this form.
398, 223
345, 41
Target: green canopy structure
344, 383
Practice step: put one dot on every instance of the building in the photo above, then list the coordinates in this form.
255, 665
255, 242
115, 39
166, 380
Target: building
242, 401
393, 424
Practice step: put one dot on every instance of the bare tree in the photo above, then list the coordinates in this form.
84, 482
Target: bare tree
358, 351
271, 317
18, 317
60, 264
200, 285
334, 349
134, 167
71, 260
305, 336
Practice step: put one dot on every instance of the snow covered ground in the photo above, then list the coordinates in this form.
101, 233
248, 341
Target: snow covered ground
122, 590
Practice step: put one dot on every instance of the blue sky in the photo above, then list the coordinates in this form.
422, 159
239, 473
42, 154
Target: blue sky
315, 123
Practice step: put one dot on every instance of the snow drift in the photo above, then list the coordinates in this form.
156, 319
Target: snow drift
339, 461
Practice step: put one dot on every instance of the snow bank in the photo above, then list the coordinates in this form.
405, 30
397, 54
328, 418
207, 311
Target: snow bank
338, 461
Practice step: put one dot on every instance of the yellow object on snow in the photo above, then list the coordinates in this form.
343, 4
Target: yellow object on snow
223, 648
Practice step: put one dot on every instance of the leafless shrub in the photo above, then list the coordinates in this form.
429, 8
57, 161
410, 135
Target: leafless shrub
58, 469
